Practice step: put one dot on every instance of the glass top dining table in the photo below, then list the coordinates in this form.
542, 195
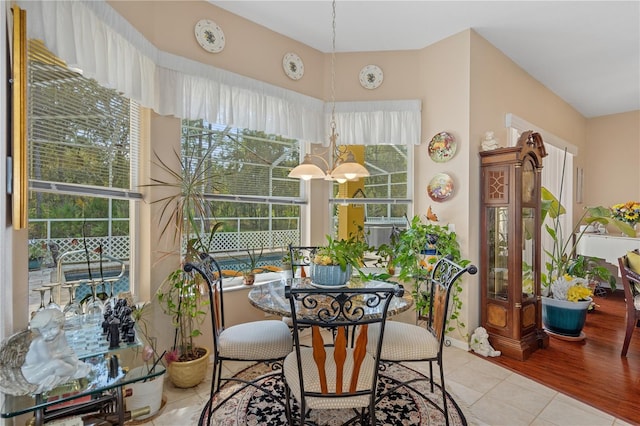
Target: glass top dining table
269, 297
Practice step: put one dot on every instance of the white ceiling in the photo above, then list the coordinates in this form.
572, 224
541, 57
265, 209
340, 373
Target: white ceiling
587, 52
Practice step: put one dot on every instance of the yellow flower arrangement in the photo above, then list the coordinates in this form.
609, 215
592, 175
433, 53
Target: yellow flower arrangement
628, 212
570, 288
321, 259
578, 292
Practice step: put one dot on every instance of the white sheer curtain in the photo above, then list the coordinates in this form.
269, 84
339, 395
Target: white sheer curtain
90, 35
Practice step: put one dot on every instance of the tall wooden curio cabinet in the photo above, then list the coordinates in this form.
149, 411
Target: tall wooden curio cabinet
510, 247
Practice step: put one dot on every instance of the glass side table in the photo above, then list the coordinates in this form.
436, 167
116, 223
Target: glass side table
103, 387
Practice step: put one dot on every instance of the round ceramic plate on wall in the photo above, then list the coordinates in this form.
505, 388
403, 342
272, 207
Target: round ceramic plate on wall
293, 66
442, 147
209, 36
371, 76
440, 188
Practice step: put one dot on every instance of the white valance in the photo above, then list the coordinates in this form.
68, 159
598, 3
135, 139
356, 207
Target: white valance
90, 35
377, 122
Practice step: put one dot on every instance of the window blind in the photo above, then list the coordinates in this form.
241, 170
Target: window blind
248, 166
79, 133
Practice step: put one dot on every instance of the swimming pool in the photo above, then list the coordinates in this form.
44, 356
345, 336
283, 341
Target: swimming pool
236, 263
84, 290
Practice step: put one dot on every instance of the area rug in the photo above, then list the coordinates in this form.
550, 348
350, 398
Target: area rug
252, 406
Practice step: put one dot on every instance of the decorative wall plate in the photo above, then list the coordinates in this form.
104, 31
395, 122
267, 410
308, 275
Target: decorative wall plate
209, 36
293, 66
371, 76
440, 187
442, 147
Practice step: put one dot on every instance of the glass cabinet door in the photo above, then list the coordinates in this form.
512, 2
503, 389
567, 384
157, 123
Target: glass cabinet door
528, 252
498, 267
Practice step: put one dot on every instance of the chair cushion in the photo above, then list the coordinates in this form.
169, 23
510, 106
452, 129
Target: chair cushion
257, 340
634, 261
312, 379
403, 342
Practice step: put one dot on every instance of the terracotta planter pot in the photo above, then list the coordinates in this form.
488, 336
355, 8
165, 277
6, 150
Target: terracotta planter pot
190, 373
564, 317
249, 279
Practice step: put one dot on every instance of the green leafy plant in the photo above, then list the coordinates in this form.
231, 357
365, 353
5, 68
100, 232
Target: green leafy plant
37, 250
343, 252
386, 254
250, 263
562, 259
409, 257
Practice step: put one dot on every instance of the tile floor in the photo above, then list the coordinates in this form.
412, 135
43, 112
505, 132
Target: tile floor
488, 393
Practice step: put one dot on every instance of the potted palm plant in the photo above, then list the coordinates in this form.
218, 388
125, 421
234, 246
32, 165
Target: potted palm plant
183, 296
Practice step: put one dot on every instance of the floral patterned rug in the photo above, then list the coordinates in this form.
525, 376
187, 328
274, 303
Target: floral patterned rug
252, 406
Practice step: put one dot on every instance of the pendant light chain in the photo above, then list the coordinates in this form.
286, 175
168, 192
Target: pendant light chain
332, 124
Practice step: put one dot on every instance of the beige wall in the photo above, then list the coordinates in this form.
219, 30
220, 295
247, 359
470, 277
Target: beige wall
612, 160
444, 90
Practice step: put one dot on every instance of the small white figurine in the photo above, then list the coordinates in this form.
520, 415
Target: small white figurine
50, 361
480, 343
489, 142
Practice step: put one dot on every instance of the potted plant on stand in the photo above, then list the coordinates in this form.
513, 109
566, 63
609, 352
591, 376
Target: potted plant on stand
182, 295
565, 281
417, 250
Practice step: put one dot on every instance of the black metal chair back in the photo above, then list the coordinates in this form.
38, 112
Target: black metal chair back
301, 257
267, 341
340, 369
439, 286
210, 270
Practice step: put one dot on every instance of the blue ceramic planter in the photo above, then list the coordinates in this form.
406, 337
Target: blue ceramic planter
564, 317
330, 275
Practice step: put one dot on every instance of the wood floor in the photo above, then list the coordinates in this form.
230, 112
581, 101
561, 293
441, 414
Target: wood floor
592, 371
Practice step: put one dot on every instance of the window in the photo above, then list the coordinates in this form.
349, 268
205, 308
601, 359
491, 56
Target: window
249, 188
385, 194
82, 154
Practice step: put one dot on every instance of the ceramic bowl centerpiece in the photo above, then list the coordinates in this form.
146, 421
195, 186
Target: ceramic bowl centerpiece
333, 264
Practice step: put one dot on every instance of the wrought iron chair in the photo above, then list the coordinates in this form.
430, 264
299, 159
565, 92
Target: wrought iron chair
301, 257
260, 341
631, 284
336, 374
408, 342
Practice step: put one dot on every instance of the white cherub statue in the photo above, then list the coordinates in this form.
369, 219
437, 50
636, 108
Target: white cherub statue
489, 142
50, 361
480, 343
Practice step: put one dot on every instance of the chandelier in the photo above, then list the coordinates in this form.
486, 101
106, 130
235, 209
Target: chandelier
343, 166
